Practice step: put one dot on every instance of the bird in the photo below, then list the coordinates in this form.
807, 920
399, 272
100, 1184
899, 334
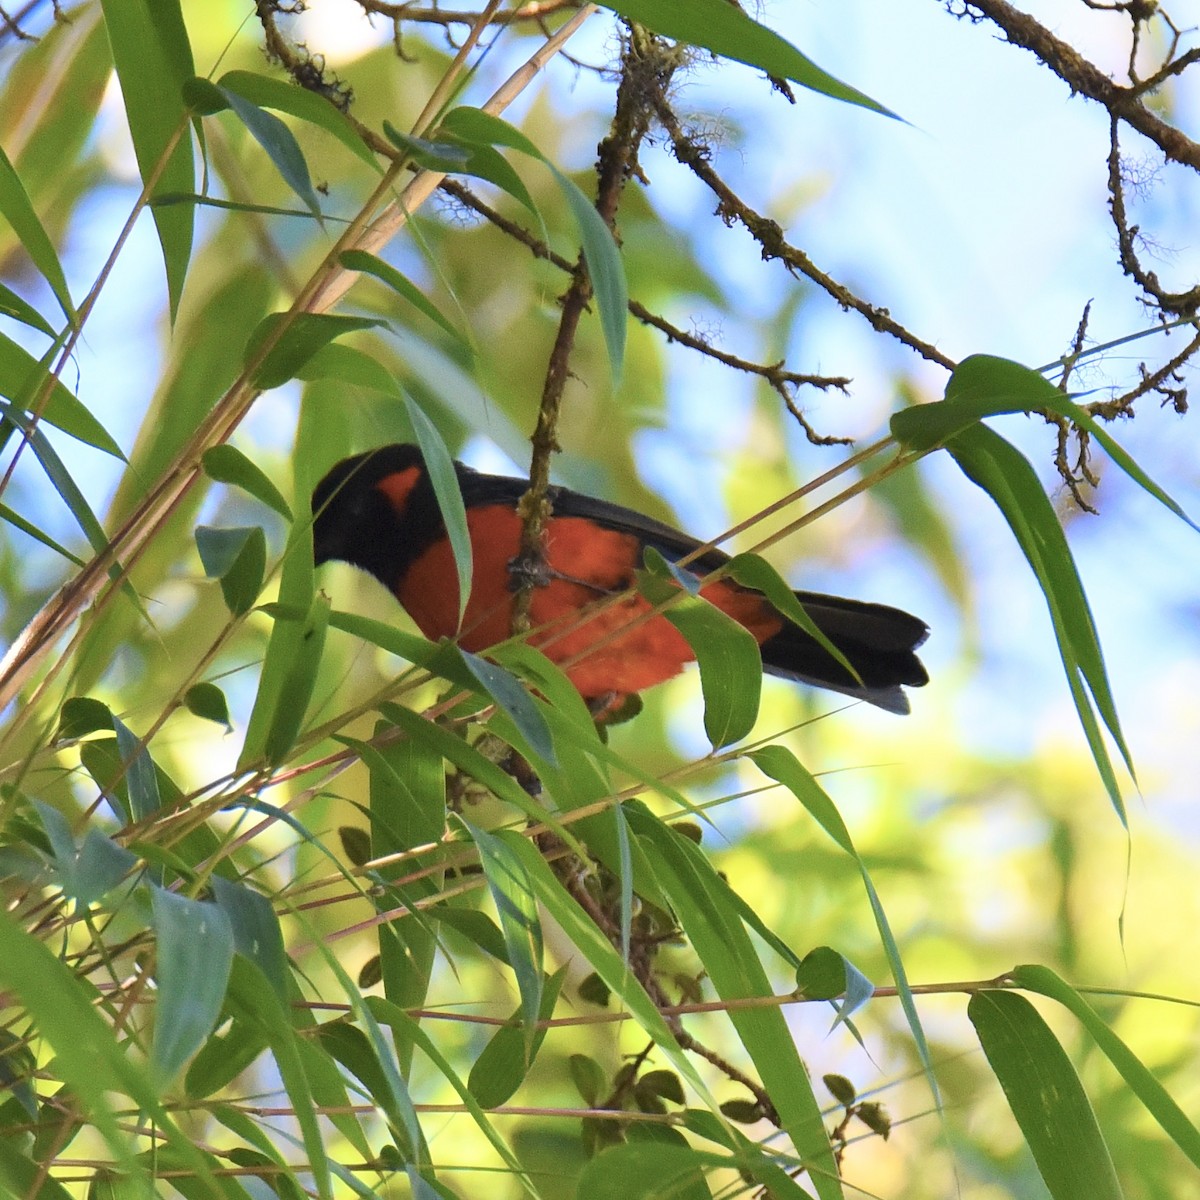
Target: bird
378, 511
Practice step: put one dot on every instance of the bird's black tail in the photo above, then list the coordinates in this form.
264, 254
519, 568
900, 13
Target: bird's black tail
879, 643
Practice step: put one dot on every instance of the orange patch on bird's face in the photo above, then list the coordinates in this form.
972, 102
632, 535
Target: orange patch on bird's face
398, 486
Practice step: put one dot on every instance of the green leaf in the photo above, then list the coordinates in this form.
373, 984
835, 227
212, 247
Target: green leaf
302, 336
656, 1170
18, 522
192, 964
226, 464
316, 109
207, 701
716, 931
12, 305
1045, 1096
18, 1064
446, 157
753, 571
599, 249
257, 936
252, 1000
17, 209
141, 778
22, 377
352, 366
1139, 1079
290, 638
152, 58
238, 558
370, 264
407, 809
61, 480
821, 974
297, 685
392, 1094
985, 386
505, 1061
1005, 474
604, 960
729, 659
505, 689
440, 467
88, 873
465, 757
406, 1028
222, 1058
280, 145
23, 1174
80, 716
513, 894
486, 162
605, 268
726, 30
824, 974
589, 1078
779, 763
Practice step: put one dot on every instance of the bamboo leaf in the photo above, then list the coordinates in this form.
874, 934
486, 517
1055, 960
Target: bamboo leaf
513, 894
1045, 1096
370, 264
715, 929
207, 701
779, 763
505, 1061
268, 92
17, 209
227, 464
153, 60
302, 336
728, 31
729, 659
1005, 474
603, 258
193, 960
280, 145
1174, 1121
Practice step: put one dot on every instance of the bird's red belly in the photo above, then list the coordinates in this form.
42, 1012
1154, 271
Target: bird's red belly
617, 650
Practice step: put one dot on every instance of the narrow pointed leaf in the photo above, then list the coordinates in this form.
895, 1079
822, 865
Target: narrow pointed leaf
729, 659
718, 935
505, 1061
1007, 477
506, 690
256, 932
370, 264
302, 336
1045, 1096
22, 379
141, 778
226, 464
269, 92
779, 763
728, 31
12, 305
444, 478
1174, 1121
17, 209
516, 903
193, 959
153, 60
280, 145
